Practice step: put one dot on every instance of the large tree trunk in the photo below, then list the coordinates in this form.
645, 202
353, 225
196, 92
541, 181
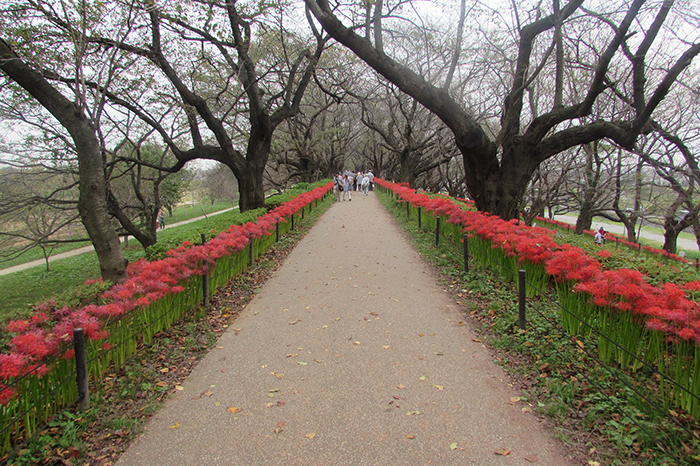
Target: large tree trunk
92, 203
670, 238
585, 218
250, 181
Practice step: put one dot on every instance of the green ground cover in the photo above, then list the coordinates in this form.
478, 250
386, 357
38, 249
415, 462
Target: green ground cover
180, 213
24, 289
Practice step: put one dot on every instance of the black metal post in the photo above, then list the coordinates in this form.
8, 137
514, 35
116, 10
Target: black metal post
437, 230
252, 252
81, 369
408, 209
466, 253
277, 232
419, 219
521, 299
292, 221
205, 280
302, 212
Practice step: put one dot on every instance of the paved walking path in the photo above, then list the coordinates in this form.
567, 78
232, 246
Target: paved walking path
86, 249
350, 355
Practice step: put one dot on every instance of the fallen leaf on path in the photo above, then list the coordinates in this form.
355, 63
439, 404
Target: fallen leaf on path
453, 446
175, 426
179, 387
162, 384
502, 452
269, 405
402, 387
292, 323
302, 363
208, 393
527, 409
410, 437
422, 377
514, 399
233, 410
356, 343
476, 340
531, 458
439, 387
280, 403
439, 354
386, 346
310, 435
421, 334
397, 397
411, 413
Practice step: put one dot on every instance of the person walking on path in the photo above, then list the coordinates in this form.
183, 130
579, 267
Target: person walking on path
365, 184
347, 187
342, 363
338, 184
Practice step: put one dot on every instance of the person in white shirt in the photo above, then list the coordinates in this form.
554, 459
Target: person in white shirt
365, 184
347, 190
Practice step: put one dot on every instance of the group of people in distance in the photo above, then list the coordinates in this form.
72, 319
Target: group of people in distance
346, 183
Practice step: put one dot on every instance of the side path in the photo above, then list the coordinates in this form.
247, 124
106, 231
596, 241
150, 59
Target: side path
86, 249
350, 355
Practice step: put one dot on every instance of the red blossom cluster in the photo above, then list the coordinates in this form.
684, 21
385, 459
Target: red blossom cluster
50, 330
669, 308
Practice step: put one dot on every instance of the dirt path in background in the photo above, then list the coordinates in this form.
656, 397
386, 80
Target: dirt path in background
86, 249
351, 354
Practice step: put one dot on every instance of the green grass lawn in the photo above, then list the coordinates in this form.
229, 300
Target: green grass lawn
23, 289
180, 213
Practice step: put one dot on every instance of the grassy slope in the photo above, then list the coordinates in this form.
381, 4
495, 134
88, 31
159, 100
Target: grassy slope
179, 214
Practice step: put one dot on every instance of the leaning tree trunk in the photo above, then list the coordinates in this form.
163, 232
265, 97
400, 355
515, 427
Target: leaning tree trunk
250, 183
92, 201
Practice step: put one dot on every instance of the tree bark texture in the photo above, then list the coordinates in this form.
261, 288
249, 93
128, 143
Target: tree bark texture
92, 203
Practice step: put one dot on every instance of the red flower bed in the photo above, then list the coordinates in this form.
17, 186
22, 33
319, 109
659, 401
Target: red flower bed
668, 308
36, 341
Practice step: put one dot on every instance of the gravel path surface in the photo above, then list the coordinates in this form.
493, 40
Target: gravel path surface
350, 355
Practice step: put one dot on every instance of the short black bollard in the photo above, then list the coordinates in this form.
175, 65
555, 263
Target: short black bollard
437, 230
292, 221
408, 209
81, 369
277, 232
302, 213
251, 260
466, 253
205, 280
419, 219
521, 299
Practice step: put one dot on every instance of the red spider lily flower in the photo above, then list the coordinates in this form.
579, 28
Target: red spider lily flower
12, 365
6, 394
18, 326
